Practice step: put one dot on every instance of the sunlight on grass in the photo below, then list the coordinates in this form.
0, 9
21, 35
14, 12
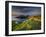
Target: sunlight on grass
32, 23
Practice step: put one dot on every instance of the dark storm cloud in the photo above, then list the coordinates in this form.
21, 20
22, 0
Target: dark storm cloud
25, 10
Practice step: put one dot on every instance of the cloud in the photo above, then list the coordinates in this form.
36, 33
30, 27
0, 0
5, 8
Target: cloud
22, 10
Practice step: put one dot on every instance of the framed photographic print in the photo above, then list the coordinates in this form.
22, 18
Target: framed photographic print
24, 18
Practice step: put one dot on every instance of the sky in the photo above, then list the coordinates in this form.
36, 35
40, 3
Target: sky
26, 10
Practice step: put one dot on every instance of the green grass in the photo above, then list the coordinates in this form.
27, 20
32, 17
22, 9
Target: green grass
30, 24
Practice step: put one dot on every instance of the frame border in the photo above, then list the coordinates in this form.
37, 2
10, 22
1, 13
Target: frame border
7, 18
